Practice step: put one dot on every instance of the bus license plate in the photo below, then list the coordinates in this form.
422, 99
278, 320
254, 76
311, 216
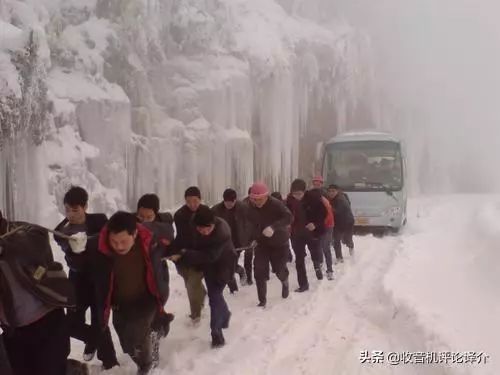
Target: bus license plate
362, 221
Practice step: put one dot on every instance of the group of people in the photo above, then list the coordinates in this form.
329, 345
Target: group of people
120, 266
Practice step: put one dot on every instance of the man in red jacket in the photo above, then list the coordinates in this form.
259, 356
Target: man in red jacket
134, 284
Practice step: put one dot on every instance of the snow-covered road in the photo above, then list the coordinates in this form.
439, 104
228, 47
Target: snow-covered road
388, 298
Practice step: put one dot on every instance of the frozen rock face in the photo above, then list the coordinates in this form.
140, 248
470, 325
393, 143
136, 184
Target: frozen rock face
156, 95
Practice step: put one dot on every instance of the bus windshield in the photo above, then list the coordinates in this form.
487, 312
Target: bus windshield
364, 165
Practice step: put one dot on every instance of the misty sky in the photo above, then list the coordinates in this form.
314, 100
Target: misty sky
440, 59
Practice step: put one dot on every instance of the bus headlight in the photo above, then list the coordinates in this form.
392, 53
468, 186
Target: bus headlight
392, 211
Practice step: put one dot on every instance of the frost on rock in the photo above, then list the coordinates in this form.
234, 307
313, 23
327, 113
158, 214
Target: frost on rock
170, 94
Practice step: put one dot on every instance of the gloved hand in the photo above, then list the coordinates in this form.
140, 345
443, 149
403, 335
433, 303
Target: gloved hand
268, 232
78, 242
311, 226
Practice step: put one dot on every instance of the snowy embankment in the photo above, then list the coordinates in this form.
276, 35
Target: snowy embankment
447, 273
429, 289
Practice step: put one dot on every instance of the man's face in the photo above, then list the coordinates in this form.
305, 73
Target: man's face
259, 202
298, 195
193, 203
229, 204
205, 231
122, 242
146, 215
317, 184
332, 193
75, 214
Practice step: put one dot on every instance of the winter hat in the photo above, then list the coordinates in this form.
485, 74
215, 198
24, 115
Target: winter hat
298, 185
259, 190
318, 178
229, 195
204, 217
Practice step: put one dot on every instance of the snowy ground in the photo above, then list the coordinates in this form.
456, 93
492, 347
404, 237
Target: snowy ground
433, 288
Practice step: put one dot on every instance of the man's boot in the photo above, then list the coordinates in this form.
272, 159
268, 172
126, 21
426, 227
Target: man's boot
285, 289
262, 292
218, 339
319, 272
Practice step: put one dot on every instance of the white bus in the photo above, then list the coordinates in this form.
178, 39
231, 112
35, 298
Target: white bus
371, 168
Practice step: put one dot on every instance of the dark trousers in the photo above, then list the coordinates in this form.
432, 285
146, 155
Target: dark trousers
299, 244
342, 235
41, 347
247, 270
265, 256
326, 247
92, 335
248, 263
219, 312
4, 360
133, 324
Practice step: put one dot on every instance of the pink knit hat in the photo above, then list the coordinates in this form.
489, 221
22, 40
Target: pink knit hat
259, 190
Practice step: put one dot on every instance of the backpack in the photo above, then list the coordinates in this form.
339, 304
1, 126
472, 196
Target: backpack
25, 249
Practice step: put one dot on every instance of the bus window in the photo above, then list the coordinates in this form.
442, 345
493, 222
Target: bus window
364, 165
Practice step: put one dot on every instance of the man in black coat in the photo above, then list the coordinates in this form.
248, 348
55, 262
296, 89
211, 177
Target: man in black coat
214, 254
235, 214
344, 221
270, 220
308, 226
185, 238
79, 261
148, 210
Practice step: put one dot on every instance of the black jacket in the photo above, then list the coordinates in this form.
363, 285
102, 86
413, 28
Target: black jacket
309, 210
213, 254
165, 217
28, 255
185, 229
274, 214
243, 227
342, 211
80, 262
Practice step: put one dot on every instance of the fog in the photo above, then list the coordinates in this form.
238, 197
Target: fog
437, 64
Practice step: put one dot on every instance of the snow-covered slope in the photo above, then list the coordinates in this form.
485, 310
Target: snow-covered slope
164, 93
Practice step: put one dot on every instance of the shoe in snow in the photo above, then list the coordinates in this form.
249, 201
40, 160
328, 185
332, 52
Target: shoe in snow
87, 357
319, 273
302, 289
351, 251
329, 275
218, 340
108, 365
262, 304
144, 370
249, 282
285, 289
89, 352
339, 260
74, 367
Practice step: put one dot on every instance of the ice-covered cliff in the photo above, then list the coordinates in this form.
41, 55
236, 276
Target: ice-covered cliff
133, 96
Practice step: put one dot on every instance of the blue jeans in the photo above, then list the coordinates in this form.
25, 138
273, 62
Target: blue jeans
219, 312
